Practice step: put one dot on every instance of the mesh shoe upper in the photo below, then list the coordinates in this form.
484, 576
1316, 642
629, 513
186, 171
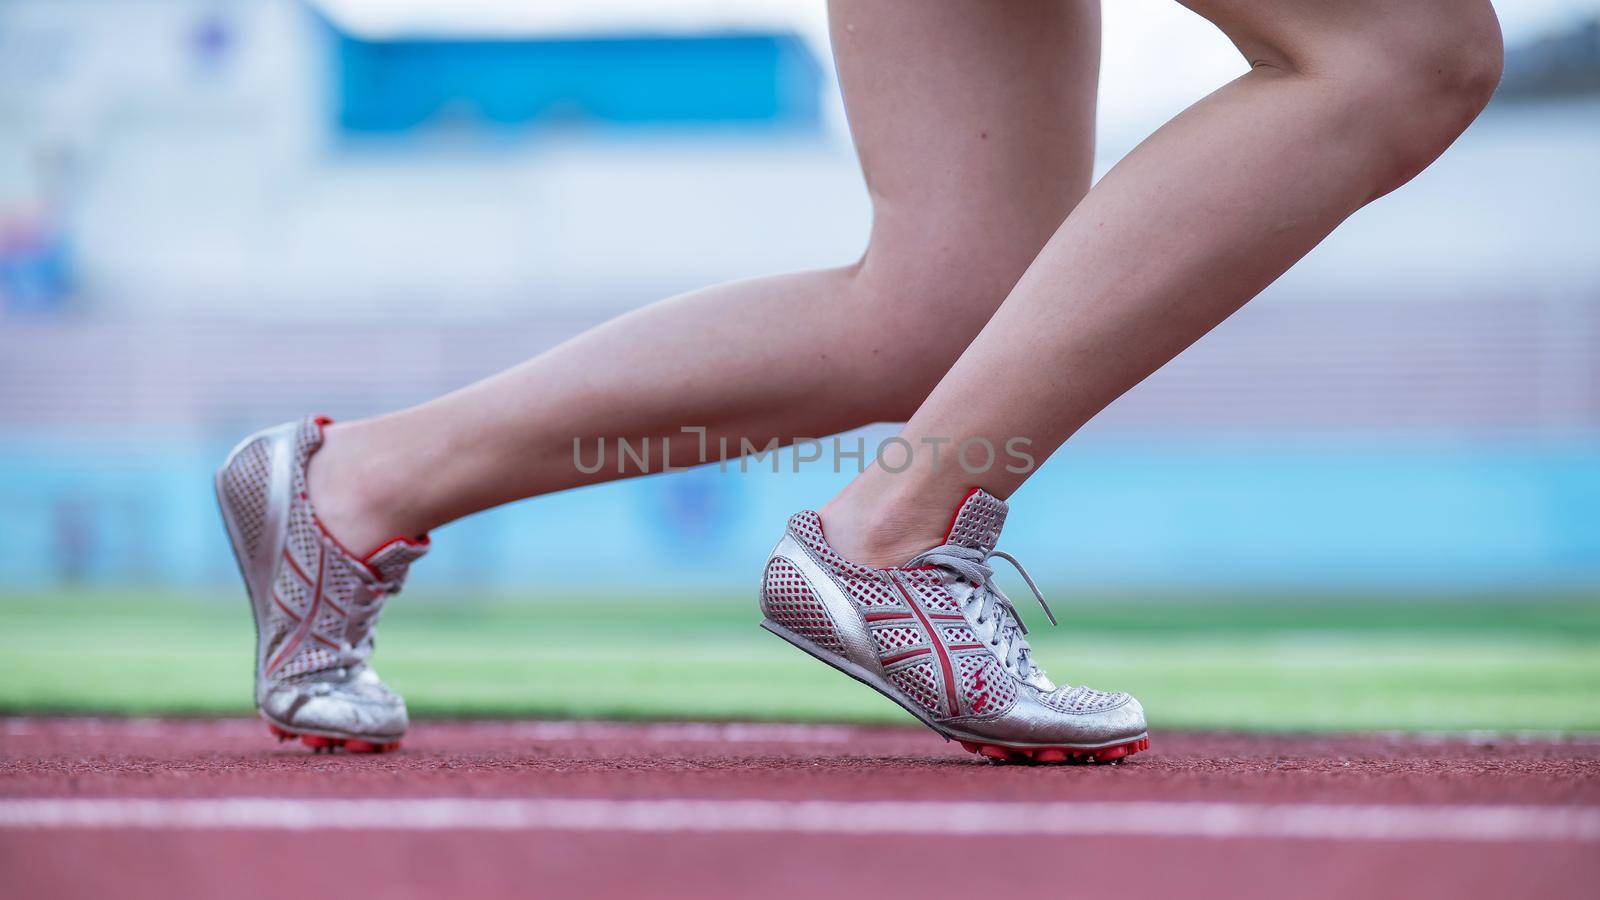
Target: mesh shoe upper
945, 637
325, 599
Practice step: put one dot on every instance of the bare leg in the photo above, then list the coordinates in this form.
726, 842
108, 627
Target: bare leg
1344, 102
974, 124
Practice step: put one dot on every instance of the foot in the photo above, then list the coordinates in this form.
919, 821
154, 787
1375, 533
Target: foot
315, 603
936, 636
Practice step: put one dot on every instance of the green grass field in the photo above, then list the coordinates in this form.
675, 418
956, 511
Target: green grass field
1331, 663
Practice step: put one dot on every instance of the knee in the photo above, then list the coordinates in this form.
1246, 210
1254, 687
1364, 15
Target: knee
1413, 90
918, 305
942, 280
1401, 80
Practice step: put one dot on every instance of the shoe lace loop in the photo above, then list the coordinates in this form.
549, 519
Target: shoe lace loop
364, 611
972, 565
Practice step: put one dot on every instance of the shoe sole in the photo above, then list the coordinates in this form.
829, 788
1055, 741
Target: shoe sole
320, 743
993, 751
317, 741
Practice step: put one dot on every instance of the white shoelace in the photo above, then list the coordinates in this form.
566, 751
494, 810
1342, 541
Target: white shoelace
364, 611
988, 603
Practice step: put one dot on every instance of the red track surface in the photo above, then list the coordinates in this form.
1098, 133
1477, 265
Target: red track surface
178, 762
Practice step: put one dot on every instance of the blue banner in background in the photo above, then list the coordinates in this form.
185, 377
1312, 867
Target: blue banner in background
401, 85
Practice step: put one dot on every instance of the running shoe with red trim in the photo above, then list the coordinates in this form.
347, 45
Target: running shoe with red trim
938, 637
315, 603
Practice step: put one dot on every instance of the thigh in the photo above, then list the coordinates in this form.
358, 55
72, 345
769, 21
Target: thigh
973, 119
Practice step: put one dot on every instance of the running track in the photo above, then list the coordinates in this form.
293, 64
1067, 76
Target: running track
141, 808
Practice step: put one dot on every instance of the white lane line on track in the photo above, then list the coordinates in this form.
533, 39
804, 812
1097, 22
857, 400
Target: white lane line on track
1326, 822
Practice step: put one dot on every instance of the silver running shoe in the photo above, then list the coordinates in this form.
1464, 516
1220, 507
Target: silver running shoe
938, 637
314, 602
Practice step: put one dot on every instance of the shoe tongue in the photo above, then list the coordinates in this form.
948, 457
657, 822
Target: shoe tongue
978, 521
391, 561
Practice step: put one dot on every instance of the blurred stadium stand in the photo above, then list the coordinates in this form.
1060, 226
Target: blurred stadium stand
1488, 368
1562, 63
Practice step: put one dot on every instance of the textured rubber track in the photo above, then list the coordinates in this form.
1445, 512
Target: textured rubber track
320, 743
87, 758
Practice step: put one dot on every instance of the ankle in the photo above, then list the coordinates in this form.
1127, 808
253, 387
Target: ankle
884, 531
342, 483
